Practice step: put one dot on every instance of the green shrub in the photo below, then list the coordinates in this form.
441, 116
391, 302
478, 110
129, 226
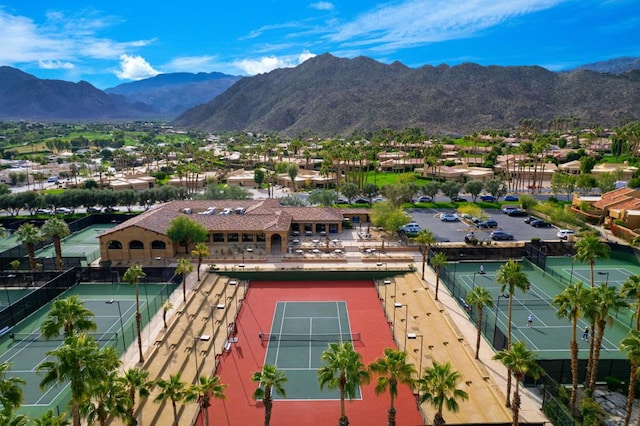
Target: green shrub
591, 412
614, 384
535, 240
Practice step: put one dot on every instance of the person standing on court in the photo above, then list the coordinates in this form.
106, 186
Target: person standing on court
585, 333
530, 320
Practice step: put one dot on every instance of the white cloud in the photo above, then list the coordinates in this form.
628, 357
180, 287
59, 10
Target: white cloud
269, 63
415, 22
55, 65
135, 68
191, 64
322, 5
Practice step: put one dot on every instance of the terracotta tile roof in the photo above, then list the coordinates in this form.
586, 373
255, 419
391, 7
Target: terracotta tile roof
616, 198
260, 215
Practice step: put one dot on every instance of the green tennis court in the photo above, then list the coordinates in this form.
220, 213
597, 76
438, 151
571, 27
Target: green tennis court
300, 332
548, 335
83, 243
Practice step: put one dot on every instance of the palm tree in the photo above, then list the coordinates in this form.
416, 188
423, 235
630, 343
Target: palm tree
135, 381
203, 391
590, 248
631, 345
106, 398
133, 275
166, 307
606, 300
439, 386
56, 229
342, 369
200, 251
437, 262
82, 363
571, 304
631, 289
426, 239
10, 391
521, 361
392, 369
184, 268
480, 298
173, 389
71, 316
29, 235
13, 420
510, 276
51, 419
269, 379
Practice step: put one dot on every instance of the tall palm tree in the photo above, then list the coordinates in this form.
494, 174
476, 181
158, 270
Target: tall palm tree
203, 391
82, 363
606, 300
106, 398
426, 239
392, 369
631, 289
590, 248
13, 419
631, 345
437, 262
56, 229
521, 361
132, 276
510, 276
69, 315
172, 389
439, 386
480, 298
10, 391
135, 382
269, 379
571, 304
29, 235
200, 251
184, 268
342, 369
51, 419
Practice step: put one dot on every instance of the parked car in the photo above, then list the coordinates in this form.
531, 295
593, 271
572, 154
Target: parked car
63, 210
361, 200
458, 199
511, 198
488, 224
528, 219
423, 199
507, 209
476, 220
563, 234
378, 199
44, 211
411, 229
488, 198
470, 237
501, 235
111, 209
342, 200
517, 213
449, 217
93, 210
539, 223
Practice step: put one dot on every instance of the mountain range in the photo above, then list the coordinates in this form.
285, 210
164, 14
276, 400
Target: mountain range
331, 96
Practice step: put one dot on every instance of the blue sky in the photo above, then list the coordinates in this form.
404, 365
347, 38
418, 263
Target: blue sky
111, 42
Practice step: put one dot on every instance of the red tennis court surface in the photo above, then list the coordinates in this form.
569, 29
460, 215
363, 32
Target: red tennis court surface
247, 356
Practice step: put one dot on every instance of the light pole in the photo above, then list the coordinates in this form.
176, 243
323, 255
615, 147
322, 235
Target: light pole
572, 262
412, 336
124, 344
406, 316
473, 284
606, 282
195, 353
386, 282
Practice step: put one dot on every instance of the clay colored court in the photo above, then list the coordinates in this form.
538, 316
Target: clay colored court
364, 315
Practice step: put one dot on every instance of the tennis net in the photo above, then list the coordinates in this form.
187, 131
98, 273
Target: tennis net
329, 337
37, 337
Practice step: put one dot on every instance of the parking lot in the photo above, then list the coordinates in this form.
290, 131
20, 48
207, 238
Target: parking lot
455, 231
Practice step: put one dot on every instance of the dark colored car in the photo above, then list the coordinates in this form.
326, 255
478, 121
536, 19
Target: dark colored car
457, 199
501, 236
488, 198
111, 210
529, 219
93, 210
488, 224
511, 198
539, 223
517, 213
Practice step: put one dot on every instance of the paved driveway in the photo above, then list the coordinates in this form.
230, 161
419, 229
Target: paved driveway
455, 231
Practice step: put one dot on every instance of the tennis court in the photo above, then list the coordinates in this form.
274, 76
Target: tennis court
83, 243
547, 335
300, 332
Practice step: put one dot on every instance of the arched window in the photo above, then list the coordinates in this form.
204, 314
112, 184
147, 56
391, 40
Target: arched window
136, 245
158, 245
114, 245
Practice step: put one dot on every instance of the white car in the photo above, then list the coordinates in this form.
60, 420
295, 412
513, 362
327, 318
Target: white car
563, 234
449, 217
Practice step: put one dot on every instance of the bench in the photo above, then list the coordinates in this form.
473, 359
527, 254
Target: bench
4, 330
227, 346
